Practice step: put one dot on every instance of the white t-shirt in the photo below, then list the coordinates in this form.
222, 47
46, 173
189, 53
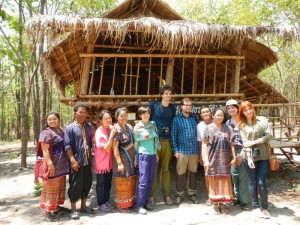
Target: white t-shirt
200, 131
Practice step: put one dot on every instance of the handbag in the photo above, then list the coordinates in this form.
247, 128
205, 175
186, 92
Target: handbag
40, 166
274, 162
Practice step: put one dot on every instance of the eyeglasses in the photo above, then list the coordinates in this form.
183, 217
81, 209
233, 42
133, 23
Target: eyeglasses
187, 105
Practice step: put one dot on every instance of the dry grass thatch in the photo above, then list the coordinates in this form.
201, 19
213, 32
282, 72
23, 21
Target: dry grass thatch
168, 35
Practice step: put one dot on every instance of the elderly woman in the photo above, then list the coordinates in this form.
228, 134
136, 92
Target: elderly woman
103, 141
124, 172
255, 132
53, 189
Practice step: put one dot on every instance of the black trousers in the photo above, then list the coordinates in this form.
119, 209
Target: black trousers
103, 187
80, 183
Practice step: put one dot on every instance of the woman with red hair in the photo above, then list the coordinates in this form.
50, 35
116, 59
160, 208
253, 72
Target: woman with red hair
255, 132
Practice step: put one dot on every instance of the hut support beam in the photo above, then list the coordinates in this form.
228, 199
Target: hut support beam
85, 77
169, 73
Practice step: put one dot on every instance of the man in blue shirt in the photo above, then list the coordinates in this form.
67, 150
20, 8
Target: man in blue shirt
78, 143
185, 148
162, 113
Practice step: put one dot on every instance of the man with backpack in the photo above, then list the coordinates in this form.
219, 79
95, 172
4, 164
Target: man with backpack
162, 113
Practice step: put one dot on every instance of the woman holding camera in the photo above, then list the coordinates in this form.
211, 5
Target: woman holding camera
255, 133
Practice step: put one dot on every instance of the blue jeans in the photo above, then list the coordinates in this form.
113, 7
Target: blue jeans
257, 184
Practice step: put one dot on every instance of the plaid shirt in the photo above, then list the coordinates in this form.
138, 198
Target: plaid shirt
237, 139
184, 135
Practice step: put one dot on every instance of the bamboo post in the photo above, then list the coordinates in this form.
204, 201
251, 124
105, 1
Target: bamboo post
195, 77
130, 76
215, 76
161, 71
169, 73
114, 73
93, 72
204, 76
182, 76
125, 78
137, 77
101, 76
225, 77
236, 83
87, 64
149, 75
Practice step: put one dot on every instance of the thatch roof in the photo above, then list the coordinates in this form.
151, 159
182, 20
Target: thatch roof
167, 33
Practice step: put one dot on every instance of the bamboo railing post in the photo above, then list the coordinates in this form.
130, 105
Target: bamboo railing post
182, 76
125, 76
149, 76
137, 76
114, 73
225, 77
204, 76
101, 76
93, 72
161, 71
195, 77
215, 77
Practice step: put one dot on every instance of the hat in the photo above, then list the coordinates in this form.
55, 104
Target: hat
231, 102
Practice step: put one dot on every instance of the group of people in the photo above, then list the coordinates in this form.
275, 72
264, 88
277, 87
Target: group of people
234, 156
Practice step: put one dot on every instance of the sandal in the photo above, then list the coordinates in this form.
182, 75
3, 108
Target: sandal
88, 210
74, 214
50, 218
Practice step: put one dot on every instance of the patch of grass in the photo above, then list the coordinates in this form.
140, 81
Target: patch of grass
12, 156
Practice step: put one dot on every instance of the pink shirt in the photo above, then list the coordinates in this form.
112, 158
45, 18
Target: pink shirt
103, 159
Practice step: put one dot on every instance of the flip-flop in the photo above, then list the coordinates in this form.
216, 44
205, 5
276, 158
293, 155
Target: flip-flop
51, 218
88, 210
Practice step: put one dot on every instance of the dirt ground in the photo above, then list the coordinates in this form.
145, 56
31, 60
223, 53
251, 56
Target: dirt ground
19, 206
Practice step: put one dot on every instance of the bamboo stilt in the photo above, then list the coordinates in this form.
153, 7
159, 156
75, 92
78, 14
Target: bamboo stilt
125, 81
182, 76
101, 76
92, 80
149, 76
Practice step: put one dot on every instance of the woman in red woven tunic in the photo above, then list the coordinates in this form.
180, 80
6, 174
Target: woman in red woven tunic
53, 151
218, 154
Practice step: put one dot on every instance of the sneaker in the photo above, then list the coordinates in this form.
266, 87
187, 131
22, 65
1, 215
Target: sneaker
244, 207
177, 200
104, 208
140, 210
148, 207
194, 199
258, 213
224, 209
168, 200
265, 214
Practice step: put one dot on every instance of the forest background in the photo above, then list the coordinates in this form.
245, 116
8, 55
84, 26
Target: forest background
26, 95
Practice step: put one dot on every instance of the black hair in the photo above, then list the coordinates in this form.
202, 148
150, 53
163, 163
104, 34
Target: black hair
205, 107
49, 114
78, 105
142, 110
164, 88
218, 109
101, 114
119, 110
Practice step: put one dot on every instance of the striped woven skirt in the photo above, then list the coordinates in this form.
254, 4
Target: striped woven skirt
53, 193
125, 191
219, 188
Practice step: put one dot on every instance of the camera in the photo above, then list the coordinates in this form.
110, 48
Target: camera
255, 152
166, 131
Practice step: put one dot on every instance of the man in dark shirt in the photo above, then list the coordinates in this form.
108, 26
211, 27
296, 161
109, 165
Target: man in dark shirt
162, 113
78, 144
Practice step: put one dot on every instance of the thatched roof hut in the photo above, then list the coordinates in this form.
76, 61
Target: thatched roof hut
121, 58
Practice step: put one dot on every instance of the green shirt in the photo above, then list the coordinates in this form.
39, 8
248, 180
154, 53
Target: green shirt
260, 132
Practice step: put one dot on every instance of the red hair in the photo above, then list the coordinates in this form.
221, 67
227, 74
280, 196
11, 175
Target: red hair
241, 118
